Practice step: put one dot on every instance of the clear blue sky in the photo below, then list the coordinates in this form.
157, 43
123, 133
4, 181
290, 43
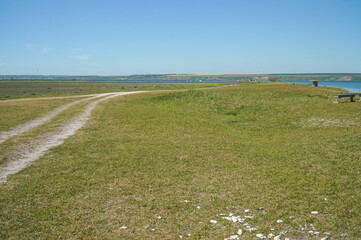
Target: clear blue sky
112, 37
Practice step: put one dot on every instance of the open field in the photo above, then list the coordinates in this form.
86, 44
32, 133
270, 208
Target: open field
161, 165
31, 89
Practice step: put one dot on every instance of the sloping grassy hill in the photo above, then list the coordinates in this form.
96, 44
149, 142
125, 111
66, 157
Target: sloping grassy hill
161, 165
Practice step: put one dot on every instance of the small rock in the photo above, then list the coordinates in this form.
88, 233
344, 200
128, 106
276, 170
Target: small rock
123, 227
291, 217
260, 208
159, 217
324, 238
198, 207
326, 199
213, 221
180, 236
270, 235
153, 229
246, 211
232, 237
278, 237
279, 221
189, 234
222, 214
327, 233
314, 212
239, 232
186, 201
251, 229
259, 235
316, 233
272, 229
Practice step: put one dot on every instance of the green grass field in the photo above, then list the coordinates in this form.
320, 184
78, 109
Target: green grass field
164, 164
32, 89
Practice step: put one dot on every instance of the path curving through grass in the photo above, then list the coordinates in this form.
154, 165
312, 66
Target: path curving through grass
27, 153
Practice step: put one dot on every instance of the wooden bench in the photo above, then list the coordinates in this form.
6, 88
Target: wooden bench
344, 95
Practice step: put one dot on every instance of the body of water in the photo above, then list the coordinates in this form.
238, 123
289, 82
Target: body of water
351, 86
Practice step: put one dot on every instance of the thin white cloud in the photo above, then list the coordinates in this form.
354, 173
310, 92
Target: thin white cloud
46, 50
81, 57
36, 48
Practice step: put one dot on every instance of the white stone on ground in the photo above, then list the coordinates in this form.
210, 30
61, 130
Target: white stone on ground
232, 237
213, 221
239, 232
123, 227
261, 236
279, 221
314, 212
246, 211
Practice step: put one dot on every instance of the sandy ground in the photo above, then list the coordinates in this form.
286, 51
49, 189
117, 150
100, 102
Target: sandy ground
27, 153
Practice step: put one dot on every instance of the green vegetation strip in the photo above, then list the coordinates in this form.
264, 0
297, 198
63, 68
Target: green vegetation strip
160, 165
33, 89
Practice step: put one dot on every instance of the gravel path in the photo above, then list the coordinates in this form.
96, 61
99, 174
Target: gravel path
36, 148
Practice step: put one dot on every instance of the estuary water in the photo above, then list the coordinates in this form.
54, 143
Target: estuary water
351, 86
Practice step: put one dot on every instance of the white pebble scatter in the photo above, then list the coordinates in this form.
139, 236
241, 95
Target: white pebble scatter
232, 237
279, 221
270, 235
261, 236
213, 221
123, 227
251, 229
234, 219
314, 212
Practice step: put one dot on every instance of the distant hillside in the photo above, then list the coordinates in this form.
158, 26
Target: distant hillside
189, 77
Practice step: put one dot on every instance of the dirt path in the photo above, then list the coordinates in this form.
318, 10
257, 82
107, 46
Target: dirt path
25, 127
33, 150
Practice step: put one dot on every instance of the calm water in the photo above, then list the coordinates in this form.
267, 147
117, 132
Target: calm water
354, 86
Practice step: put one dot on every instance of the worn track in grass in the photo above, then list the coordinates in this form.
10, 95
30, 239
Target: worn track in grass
27, 153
